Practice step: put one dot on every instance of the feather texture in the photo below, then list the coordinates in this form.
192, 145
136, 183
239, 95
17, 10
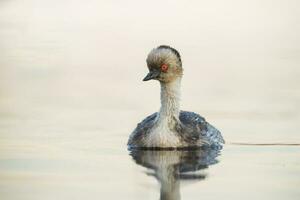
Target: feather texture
191, 129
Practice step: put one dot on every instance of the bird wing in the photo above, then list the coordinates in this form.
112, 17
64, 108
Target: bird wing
141, 130
196, 130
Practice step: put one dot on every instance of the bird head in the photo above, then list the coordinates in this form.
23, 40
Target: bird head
164, 64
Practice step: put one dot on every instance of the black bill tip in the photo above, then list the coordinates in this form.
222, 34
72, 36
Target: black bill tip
151, 75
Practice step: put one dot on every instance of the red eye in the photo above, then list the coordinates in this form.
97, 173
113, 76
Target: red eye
164, 68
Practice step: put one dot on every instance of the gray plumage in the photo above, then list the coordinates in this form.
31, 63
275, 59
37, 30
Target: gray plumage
192, 129
171, 128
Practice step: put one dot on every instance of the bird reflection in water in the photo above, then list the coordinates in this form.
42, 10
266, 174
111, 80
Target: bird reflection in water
169, 167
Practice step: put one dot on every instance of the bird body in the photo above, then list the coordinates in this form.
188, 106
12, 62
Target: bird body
170, 127
191, 131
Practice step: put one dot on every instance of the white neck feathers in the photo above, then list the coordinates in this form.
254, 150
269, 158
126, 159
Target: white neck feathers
162, 134
170, 99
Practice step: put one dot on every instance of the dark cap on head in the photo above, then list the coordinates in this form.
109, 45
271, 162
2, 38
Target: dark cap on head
172, 49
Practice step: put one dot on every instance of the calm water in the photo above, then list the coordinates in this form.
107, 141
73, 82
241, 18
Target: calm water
71, 93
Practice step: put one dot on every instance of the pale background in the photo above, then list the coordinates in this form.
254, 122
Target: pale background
71, 93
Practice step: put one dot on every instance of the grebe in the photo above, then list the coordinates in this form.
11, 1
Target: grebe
171, 128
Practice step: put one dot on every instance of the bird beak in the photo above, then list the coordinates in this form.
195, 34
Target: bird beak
151, 75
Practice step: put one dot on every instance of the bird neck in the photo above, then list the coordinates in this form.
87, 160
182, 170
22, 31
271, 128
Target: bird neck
170, 99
